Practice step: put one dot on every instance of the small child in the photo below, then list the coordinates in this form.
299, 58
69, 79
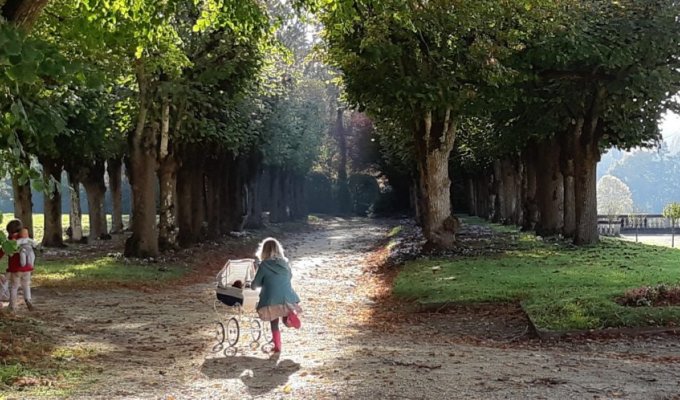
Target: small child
19, 273
277, 298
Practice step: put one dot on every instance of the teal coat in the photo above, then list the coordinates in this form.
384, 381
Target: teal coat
273, 276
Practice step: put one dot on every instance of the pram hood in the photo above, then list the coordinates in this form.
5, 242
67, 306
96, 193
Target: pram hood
241, 270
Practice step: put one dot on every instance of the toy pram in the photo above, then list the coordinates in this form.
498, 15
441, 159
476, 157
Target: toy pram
235, 305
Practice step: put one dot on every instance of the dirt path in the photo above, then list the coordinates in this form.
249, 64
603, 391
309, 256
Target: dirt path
157, 345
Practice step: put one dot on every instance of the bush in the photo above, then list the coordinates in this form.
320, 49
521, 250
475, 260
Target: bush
365, 191
646, 296
319, 194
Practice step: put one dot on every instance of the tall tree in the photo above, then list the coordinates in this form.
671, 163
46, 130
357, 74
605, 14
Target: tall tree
422, 65
606, 78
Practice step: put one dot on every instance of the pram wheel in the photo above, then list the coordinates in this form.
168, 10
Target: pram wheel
219, 335
267, 333
233, 332
255, 330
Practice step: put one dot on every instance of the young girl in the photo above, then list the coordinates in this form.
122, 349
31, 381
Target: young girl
277, 298
16, 273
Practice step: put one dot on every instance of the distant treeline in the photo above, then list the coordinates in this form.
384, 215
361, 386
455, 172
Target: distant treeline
653, 176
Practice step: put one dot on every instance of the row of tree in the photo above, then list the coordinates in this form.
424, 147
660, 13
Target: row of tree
522, 96
214, 108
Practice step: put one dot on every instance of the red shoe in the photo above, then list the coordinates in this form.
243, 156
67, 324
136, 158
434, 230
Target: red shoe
292, 321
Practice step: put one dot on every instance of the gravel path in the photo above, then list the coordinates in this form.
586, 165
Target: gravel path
351, 346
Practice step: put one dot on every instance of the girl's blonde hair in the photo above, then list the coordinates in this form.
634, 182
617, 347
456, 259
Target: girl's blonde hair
270, 248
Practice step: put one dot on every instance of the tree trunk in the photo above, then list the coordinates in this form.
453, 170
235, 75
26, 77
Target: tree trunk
255, 200
415, 200
510, 190
167, 180
53, 233
520, 190
585, 195
167, 223
586, 157
142, 144
471, 196
114, 170
144, 240
344, 199
300, 202
75, 213
184, 187
96, 193
275, 213
23, 13
128, 175
434, 141
198, 201
549, 189
567, 168
499, 189
214, 191
529, 203
23, 203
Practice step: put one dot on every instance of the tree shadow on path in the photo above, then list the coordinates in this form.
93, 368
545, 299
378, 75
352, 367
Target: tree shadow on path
259, 375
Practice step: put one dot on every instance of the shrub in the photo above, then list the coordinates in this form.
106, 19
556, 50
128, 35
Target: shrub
365, 191
319, 194
646, 296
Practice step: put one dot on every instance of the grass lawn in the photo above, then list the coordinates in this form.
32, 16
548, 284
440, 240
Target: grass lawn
561, 287
104, 271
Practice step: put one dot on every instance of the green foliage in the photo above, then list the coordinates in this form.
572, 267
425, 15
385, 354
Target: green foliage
7, 246
427, 56
611, 62
294, 126
672, 211
364, 191
31, 70
559, 286
319, 194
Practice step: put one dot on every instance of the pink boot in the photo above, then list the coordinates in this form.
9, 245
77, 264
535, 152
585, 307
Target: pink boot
276, 335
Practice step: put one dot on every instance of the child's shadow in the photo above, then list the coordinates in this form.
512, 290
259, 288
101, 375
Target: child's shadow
260, 375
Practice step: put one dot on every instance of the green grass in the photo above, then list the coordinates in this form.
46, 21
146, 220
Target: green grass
39, 223
560, 287
395, 231
102, 272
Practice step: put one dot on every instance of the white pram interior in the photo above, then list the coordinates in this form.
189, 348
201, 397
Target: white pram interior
236, 308
233, 284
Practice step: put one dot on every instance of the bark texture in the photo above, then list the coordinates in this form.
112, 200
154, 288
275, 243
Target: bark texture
23, 203
53, 232
142, 144
434, 137
114, 170
96, 193
75, 212
22, 12
344, 199
167, 180
549, 189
